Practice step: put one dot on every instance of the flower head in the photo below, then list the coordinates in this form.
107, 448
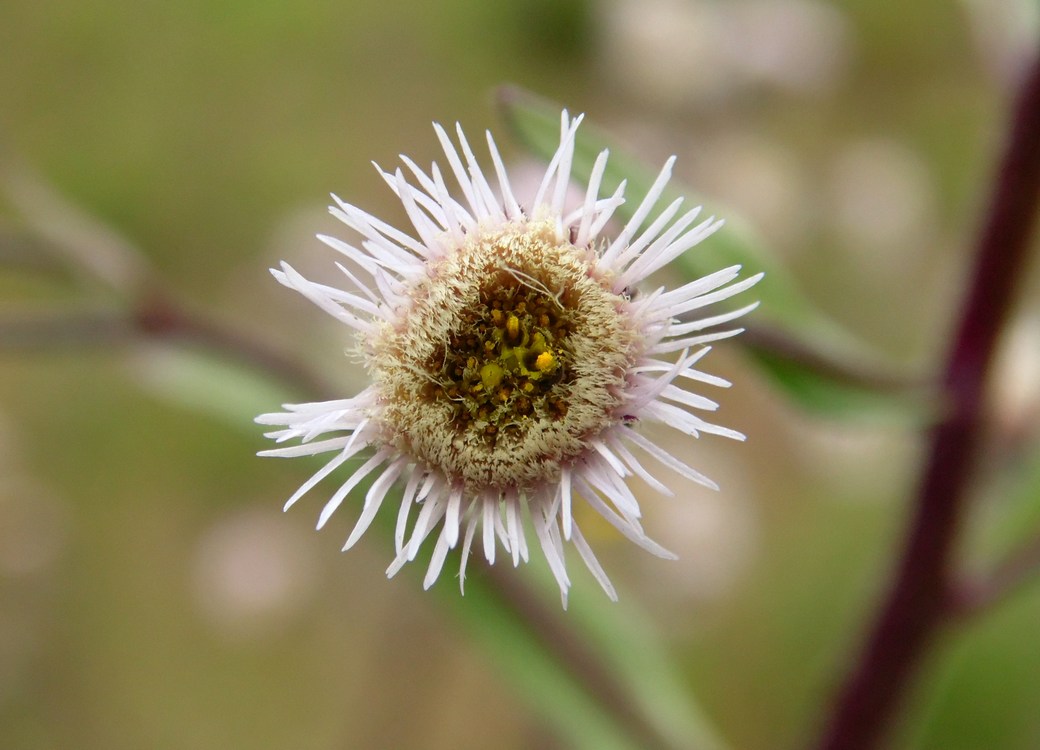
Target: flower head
511, 359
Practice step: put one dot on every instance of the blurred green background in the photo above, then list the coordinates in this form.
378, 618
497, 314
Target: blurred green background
151, 593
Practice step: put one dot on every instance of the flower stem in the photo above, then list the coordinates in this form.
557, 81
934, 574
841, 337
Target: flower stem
916, 605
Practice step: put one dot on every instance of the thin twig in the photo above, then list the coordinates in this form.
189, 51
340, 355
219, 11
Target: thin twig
778, 343
87, 245
22, 250
64, 331
915, 607
159, 316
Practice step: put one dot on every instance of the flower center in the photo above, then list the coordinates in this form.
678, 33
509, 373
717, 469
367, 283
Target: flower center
506, 363
510, 358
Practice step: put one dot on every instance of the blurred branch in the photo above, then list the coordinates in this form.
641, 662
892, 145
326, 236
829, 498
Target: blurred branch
916, 604
980, 594
65, 331
87, 245
159, 316
773, 340
22, 250
59, 230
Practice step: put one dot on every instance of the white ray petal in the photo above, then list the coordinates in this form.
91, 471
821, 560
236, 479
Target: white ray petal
440, 552
591, 198
564, 152
629, 458
693, 400
651, 233
307, 449
323, 472
601, 448
458, 170
405, 509
563, 176
363, 471
374, 500
467, 543
669, 460
512, 526
552, 555
490, 204
372, 227
627, 526
363, 288
679, 329
289, 277
607, 211
422, 197
683, 304
695, 288
451, 516
428, 232
565, 505
593, 564
460, 218
611, 486
651, 261
489, 510
432, 512
689, 341
649, 201
509, 202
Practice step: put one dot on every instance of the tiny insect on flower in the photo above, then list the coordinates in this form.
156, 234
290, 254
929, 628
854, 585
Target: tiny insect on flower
511, 362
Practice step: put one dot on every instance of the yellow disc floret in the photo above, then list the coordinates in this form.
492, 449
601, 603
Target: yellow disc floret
545, 363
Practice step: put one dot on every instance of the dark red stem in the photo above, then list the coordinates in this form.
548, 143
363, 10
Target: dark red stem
916, 603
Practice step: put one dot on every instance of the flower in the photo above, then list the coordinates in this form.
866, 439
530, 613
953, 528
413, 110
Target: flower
511, 360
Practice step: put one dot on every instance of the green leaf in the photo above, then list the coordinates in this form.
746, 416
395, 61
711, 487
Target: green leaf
207, 384
815, 362
831, 393
540, 678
